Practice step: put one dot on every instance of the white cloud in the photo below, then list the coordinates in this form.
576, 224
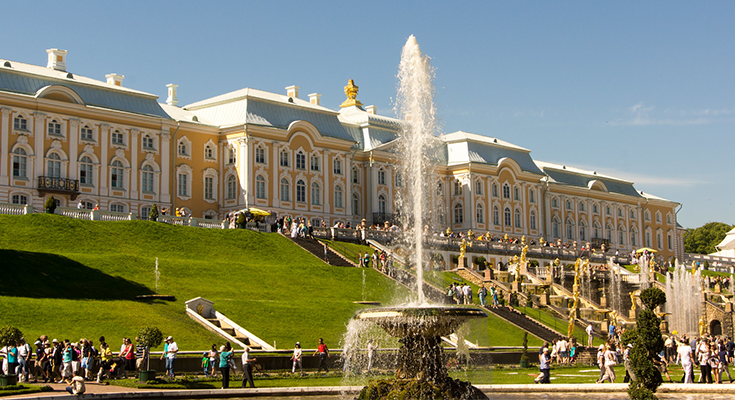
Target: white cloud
642, 115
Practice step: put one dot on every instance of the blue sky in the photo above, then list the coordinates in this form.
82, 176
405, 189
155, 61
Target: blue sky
642, 91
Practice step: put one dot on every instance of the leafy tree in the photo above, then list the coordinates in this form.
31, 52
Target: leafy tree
703, 240
9, 336
50, 205
647, 343
150, 336
153, 214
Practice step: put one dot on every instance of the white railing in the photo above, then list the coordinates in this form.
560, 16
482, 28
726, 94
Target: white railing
208, 223
113, 216
15, 209
74, 213
173, 220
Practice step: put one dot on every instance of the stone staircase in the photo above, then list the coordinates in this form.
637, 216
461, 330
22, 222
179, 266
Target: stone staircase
234, 333
525, 323
316, 248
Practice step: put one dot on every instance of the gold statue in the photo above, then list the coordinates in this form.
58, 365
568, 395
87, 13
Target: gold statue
576, 300
351, 91
449, 231
515, 259
470, 234
632, 301
542, 241
463, 247
523, 240
557, 262
523, 253
694, 268
701, 326
570, 330
505, 237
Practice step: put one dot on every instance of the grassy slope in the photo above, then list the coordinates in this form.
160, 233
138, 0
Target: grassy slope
69, 279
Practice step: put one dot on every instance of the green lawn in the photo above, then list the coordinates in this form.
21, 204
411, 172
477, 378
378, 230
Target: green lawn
70, 279
558, 324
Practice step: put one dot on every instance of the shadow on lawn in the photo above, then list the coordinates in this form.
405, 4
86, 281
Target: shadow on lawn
44, 275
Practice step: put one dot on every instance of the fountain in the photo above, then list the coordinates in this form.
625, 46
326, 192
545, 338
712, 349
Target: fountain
419, 327
684, 294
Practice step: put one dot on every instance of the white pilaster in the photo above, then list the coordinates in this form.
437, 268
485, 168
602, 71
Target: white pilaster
104, 161
328, 185
165, 167
73, 138
243, 167
275, 161
348, 187
39, 132
134, 134
4, 149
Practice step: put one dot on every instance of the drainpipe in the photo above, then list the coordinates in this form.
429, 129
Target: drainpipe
173, 170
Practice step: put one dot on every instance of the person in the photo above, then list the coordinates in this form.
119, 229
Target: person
224, 366
141, 355
205, 363
723, 364
213, 359
703, 355
371, 347
128, 354
296, 357
544, 366
106, 361
12, 357
561, 346
24, 359
76, 384
66, 368
169, 352
482, 293
540, 356
684, 356
662, 366
590, 335
601, 361
42, 362
326, 253
323, 353
629, 372
56, 358
247, 368
609, 362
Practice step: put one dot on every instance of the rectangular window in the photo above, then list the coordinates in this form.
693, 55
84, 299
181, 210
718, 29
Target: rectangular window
260, 155
300, 160
85, 174
145, 212
87, 134
315, 163
260, 188
20, 123
20, 199
284, 159
516, 194
338, 167
117, 138
381, 177
117, 208
209, 188
183, 185
116, 178
54, 128
148, 143
19, 166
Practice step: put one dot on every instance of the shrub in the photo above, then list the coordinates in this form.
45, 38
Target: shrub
10, 336
153, 214
50, 205
150, 336
480, 261
647, 342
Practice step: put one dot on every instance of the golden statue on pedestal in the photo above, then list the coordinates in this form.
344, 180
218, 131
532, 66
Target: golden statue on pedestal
463, 247
701, 326
351, 91
632, 301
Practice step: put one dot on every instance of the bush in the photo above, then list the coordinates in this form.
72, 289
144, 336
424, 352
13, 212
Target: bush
50, 205
150, 336
153, 214
10, 336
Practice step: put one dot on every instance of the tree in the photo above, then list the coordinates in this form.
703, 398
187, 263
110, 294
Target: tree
149, 336
50, 205
9, 336
153, 214
647, 343
703, 240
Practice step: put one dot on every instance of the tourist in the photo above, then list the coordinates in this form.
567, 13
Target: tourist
609, 362
460, 294
106, 361
723, 363
213, 359
684, 351
128, 355
544, 361
629, 373
296, 357
169, 352
42, 363
590, 335
601, 361
482, 293
141, 355
494, 294
660, 362
562, 347
544, 347
247, 368
24, 359
76, 384
703, 356
326, 253
730, 345
323, 353
224, 366
12, 357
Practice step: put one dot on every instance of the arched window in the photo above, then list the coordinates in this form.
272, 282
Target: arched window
285, 190
532, 219
337, 167
116, 175
496, 215
596, 230
315, 164
647, 215
517, 219
581, 207
231, 187
620, 212
208, 152
633, 237
532, 196
355, 176
183, 148
381, 177
570, 229
480, 214
568, 204
516, 194
554, 202
260, 191
300, 191
621, 236
316, 194
458, 214
582, 230
555, 227
609, 233
85, 171
147, 178
381, 204
20, 162
53, 166
507, 217
495, 190
648, 238
338, 196
19, 199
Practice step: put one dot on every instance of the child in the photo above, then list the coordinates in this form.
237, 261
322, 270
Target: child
77, 384
205, 363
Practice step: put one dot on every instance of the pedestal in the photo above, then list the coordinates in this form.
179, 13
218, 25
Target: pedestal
489, 273
718, 288
545, 298
550, 277
516, 286
604, 325
632, 314
603, 302
728, 307
664, 326
460, 262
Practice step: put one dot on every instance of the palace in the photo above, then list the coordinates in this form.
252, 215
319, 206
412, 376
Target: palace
99, 143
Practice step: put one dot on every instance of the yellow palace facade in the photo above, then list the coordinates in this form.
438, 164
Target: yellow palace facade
89, 142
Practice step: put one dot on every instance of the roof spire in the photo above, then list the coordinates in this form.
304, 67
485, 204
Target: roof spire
351, 91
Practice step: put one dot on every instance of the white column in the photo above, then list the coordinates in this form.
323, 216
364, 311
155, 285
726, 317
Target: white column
221, 188
39, 132
275, 181
4, 149
373, 176
165, 167
73, 138
348, 187
134, 134
328, 186
104, 161
243, 166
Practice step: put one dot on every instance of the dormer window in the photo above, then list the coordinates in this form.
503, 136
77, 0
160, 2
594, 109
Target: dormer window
87, 134
54, 128
117, 138
20, 123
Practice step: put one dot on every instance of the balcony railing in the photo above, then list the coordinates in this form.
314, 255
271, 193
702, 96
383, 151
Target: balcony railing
60, 185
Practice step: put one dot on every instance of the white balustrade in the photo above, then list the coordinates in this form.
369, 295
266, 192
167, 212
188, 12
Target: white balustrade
78, 213
15, 209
